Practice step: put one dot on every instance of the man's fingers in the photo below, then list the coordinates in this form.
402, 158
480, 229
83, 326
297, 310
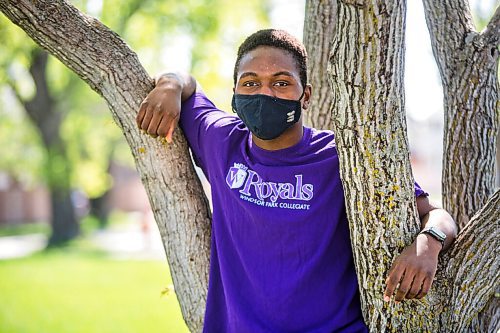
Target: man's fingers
147, 119
159, 120
164, 126
426, 286
404, 286
141, 114
170, 132
416, 286
392, 281
153, 125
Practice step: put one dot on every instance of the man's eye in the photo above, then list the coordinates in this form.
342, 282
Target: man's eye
249, 84
281, 84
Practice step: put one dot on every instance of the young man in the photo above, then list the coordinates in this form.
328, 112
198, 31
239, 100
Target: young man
281, 259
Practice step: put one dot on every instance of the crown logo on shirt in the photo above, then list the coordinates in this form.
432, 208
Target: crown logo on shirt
236, 176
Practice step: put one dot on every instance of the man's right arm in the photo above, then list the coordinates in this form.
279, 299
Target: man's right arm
160, 111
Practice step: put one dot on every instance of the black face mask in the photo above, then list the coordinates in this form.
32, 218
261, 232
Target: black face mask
265, 116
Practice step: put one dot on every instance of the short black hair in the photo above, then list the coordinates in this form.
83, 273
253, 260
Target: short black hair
279, 39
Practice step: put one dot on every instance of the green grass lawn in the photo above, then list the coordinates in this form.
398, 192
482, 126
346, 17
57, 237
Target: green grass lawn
76, 290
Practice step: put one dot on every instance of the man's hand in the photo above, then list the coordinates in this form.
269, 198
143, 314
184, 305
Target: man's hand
413, 269
160, 111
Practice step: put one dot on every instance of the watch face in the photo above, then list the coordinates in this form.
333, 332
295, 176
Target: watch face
438, 232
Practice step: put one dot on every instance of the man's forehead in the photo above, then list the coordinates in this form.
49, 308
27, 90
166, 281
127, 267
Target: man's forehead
267, 59
279, 73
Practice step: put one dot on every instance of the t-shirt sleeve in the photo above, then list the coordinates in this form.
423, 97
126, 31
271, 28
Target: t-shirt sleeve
419, 191
205, 127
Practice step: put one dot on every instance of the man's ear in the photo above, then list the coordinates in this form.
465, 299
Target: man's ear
307, 96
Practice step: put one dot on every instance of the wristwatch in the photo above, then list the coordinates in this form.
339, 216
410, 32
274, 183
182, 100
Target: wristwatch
435, 233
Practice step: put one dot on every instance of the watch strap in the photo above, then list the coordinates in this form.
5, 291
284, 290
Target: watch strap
435, 233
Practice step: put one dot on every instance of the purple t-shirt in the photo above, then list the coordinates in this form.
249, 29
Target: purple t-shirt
281, 257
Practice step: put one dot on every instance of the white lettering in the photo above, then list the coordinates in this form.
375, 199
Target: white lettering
240, 176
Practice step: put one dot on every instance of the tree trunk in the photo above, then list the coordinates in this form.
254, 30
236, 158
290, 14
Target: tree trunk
368, 120
106, 63
366, 76
64, 224
468, 63
319, 27
100, 209
41, 109
100, 206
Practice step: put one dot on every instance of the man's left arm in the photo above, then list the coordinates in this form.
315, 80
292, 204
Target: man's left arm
415, 267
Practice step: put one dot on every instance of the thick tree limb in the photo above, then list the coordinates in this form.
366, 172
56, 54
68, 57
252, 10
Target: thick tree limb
106, 63
474, 268
468, 67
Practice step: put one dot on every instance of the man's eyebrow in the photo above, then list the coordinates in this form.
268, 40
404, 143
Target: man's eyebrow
283, 73
247, 74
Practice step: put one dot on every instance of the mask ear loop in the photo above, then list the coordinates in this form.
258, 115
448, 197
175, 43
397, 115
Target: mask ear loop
303, 92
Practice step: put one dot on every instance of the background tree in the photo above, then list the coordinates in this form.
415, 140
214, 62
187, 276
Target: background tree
78, 116
56, 109
366, 74
41, 108
319, 27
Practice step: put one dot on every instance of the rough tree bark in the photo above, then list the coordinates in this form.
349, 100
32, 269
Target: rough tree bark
366, 73
468, 62
42, 111
106, 63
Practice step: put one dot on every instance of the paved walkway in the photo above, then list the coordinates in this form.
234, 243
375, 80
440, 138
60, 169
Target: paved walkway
128, 241
21, 246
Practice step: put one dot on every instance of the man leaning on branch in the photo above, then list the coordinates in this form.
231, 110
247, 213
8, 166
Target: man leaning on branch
281, 257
